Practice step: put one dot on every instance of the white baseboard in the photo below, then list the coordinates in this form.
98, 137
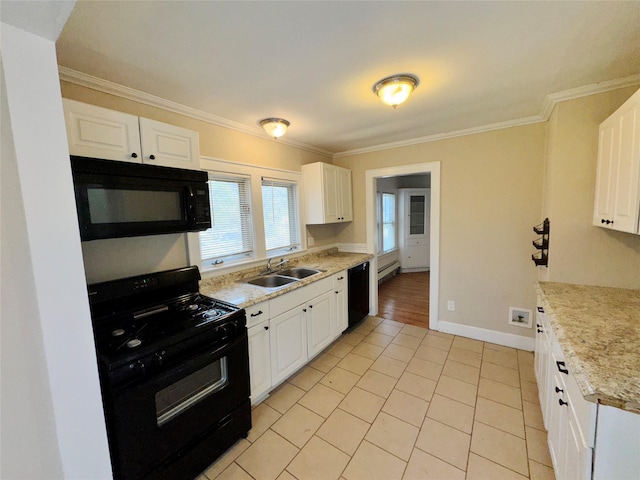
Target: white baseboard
491, 336
352, 247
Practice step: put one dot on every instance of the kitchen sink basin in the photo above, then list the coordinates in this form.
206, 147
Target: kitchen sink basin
299, 272
271, 281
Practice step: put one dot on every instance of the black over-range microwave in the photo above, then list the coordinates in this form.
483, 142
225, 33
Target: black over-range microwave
122, 199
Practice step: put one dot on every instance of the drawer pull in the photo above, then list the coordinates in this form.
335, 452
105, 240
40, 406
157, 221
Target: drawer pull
259, 312
558, 390
541, 310
340, 278
562, 368
540, 331
561, 402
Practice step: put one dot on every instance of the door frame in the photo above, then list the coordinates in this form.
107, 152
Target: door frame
371, 176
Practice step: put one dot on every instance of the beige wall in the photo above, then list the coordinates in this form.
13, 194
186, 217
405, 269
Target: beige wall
491, 186
579, 252
113, 258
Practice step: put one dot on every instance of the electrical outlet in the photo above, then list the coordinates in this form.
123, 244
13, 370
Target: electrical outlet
310, 241
451, 305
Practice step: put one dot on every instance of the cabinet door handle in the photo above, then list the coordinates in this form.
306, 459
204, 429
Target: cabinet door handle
134, 155
304, 310
266, 327
337, 293
340, 278
152, 157
541, 310
310, 306
259, 312
558, 390
562, 368
602, 220
540, 331
562, 402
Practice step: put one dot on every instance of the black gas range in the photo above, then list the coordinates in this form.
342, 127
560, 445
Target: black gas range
174, 373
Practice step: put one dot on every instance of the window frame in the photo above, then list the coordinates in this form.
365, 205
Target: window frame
382, 223
294, 226
255, 174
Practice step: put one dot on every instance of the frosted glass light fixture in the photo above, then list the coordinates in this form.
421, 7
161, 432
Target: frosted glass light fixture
395, 89
275, 127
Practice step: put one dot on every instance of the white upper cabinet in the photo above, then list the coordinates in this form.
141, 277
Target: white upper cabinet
327, 193
98, 132
617, 198
168, 145
101, 133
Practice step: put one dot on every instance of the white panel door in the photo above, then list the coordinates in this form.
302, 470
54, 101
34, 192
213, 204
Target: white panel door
319, 323
345, 210
101, 133
168, 145
330, 192
259, 360
288, 335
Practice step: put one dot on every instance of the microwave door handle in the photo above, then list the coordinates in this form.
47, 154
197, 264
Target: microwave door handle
190, 204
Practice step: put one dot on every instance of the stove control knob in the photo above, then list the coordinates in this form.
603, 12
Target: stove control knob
134, 342
158, 358
117, 332
138, 367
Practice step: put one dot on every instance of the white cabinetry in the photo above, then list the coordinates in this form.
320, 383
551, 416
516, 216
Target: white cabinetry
341, 313
288, 336
327, 193
98, 132
414, 228
577, 451
617, 198
319, 323
259, 350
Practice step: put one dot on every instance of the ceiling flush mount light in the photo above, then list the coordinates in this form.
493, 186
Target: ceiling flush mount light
275, 127
395, 89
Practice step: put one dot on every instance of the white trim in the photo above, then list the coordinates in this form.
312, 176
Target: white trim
491, 336
549, 104
372, 239
352, 247
105, 86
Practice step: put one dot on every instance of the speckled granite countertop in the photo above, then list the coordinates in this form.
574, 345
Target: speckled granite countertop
230, 287
598, 329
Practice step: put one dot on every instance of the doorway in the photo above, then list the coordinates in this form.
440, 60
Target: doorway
431, 287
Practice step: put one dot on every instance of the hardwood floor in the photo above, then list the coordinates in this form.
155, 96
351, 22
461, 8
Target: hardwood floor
405, 298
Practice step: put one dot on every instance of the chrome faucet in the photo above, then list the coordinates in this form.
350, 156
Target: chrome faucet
281, 263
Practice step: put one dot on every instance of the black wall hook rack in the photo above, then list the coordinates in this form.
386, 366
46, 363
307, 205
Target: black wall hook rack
541, 259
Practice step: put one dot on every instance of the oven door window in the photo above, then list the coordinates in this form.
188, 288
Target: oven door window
181, 395
109, 205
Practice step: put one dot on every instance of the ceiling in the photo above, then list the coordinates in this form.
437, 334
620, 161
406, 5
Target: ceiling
314, 63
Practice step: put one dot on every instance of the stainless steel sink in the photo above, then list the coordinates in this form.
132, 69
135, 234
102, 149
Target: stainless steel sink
271, 281
298, 272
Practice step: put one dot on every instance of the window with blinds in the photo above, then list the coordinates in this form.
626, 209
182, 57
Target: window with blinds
281, 219
231, 234
388, 222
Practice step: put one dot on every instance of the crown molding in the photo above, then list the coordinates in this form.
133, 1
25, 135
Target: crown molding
549, 104
442, 136
550, 101
111, 88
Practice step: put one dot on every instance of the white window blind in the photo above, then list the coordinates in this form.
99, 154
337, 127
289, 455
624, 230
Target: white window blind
281, 219
388, 221
231, 235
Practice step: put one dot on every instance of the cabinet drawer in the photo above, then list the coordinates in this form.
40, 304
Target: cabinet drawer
340, 280
289, 300
257, 313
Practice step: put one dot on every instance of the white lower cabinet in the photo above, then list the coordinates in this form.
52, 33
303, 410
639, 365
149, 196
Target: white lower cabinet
259, 360
319, 325
577, 451
287, 331
341, 308
288, 337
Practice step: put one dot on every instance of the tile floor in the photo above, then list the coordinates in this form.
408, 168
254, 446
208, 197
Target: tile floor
394, 401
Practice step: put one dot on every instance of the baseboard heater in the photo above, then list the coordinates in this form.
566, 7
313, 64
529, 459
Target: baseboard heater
388, 271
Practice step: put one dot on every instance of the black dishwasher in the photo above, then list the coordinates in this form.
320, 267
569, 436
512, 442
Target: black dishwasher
358, 293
